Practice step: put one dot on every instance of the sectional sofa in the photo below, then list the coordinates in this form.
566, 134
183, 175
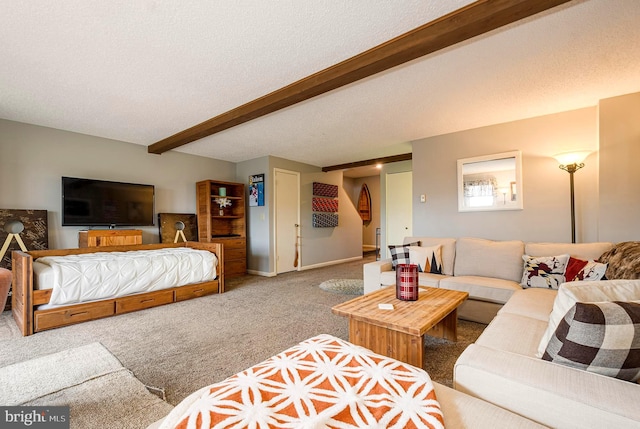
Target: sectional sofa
490, 271
504, 366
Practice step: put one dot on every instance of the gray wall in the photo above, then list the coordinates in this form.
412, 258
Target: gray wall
341, 243
259, 219
619, 173
318, 246
606, 190
34, 159
354, 186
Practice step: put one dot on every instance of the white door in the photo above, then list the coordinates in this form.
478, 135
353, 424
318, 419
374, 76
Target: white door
399, 207
287, 220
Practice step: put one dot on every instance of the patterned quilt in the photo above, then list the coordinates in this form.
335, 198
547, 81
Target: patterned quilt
323, 382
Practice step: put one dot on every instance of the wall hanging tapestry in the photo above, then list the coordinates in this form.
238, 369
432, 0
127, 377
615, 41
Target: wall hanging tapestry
324, 204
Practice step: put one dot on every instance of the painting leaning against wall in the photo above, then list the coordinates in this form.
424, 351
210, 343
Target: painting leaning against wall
35, 234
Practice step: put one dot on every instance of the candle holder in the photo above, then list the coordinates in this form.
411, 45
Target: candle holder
407, 282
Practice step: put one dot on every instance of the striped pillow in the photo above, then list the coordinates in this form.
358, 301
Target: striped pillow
600, 337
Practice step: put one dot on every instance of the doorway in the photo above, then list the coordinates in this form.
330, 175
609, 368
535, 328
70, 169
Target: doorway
399, 207
287, 221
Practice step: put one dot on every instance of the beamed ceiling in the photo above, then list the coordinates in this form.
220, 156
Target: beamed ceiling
143, 71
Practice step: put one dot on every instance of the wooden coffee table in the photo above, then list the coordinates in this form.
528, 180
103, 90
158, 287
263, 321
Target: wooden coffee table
399, 333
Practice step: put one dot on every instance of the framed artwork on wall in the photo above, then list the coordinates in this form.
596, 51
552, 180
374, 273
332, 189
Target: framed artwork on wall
256, 190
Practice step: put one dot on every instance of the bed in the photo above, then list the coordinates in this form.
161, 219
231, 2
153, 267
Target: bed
37, 307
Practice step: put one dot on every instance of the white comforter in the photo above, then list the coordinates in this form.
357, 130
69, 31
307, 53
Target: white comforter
102, 275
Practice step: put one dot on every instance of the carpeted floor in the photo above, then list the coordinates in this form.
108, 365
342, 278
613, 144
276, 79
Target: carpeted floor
344, 286
184, 346
99, 391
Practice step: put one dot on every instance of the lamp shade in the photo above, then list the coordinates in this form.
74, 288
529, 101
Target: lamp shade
568, 158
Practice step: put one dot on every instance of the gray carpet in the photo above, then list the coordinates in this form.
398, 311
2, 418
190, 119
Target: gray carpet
344, 286
100, 392
184, 346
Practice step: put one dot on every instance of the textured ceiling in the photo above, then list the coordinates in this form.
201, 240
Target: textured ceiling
140, 71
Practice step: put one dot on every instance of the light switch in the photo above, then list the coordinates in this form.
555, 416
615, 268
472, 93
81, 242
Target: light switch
423, 198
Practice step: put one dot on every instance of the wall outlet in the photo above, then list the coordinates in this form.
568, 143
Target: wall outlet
423, 198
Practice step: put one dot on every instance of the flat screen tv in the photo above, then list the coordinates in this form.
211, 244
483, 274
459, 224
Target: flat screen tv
89, 202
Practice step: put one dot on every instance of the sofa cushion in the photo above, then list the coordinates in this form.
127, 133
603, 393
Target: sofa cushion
400, 253
448, 250
535, 303
577, 250
462, 411
388, 278
482, 288
544, 271
506, 333
554, 395
601, 337
598, 291
487, 258
428, 259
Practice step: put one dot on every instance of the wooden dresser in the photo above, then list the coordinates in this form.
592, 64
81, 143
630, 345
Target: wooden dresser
224, 225
109, 237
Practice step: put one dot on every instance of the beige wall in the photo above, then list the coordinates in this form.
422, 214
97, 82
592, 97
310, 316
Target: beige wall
546, 214
318, 246
619, 120
368, 228
33, 159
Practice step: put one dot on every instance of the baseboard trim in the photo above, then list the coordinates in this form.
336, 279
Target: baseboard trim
262, 273
329, 263
308, 267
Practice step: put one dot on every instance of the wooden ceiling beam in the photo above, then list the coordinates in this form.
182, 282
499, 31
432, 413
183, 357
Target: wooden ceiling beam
472, 20
383, 160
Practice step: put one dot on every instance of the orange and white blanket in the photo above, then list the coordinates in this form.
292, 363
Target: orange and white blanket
323, 382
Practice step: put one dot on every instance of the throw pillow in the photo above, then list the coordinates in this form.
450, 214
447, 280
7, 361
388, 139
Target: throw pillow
602, 337
580, 270
545, 271
623, 260
400, 253
428, 259
591, 272
598, 291
573, 268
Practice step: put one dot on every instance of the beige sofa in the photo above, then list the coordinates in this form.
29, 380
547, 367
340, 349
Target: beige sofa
490, 271
502, 368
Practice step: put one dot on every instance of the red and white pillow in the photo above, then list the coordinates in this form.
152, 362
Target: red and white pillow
551, 271
581, 270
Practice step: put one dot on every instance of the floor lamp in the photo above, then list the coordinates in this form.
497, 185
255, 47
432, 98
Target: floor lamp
572, 162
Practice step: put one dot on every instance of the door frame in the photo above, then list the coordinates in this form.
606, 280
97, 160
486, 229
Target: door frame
275, 218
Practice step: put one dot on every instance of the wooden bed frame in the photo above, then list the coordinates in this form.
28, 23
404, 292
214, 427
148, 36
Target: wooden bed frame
25, 299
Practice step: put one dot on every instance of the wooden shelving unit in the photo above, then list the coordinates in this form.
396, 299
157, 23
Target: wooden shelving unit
228, 227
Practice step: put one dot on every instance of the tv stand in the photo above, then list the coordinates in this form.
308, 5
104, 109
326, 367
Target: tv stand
109, 237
